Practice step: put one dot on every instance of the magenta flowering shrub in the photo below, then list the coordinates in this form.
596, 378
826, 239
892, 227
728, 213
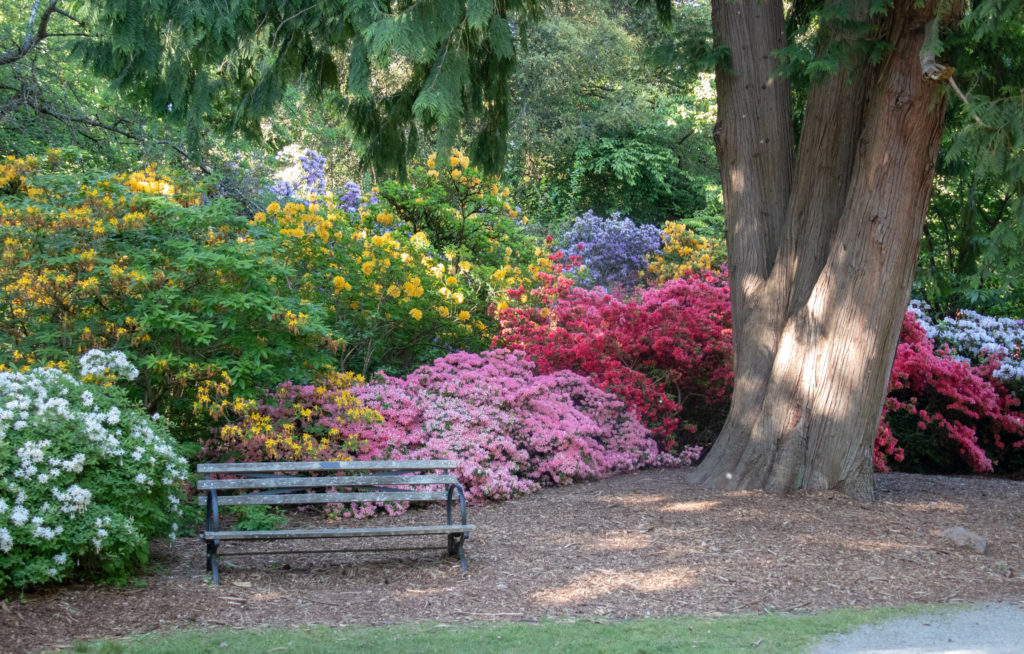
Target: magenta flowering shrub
943, 414
513, 429
667, 352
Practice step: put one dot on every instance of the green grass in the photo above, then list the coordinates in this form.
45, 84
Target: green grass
764, 634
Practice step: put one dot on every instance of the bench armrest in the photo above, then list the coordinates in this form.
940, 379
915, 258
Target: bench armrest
452, 489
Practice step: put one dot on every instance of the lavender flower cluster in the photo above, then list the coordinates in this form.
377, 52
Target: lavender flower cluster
352, 199
613, 251
313, 173
309, 180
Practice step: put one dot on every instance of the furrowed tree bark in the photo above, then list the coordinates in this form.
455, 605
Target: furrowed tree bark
818, 290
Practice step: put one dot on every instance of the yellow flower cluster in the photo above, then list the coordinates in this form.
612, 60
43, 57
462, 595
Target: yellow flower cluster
301, 434
297, 447
683, 252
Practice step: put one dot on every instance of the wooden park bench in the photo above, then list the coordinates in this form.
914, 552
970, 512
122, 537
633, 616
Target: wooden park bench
322, 482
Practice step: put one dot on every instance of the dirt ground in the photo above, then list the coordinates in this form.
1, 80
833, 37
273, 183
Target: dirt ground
636, 545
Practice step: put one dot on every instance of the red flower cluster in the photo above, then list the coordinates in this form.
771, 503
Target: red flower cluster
667, 353
943, 414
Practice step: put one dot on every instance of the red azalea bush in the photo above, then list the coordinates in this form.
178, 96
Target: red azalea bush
944, 415
667, 352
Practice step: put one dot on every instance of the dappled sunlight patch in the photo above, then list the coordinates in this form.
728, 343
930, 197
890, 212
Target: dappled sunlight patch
605, 582
621, 541
844, 546
689, 506
437, 590
269, 596
942, 506
632, 498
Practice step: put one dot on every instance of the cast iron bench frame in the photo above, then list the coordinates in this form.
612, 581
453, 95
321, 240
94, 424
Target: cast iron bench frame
352, 481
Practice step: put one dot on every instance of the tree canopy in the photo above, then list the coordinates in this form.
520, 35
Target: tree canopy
393, 68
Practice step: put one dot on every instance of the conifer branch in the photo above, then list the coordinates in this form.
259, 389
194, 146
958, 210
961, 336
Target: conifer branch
293, 16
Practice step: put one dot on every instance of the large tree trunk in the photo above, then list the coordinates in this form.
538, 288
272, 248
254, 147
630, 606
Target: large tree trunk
822, 250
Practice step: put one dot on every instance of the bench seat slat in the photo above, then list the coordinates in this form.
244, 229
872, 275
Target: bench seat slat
307, 466
355, 532
340, 481
324, 498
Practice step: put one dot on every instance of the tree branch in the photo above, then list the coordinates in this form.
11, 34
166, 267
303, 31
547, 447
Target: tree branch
31, 39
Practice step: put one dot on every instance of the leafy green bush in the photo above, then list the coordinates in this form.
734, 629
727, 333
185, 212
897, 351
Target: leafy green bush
87, 478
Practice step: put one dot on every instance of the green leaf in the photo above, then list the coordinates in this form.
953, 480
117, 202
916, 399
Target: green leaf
501, 38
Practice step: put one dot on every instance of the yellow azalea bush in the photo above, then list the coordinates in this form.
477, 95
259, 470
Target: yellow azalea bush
411, 272
210, 304
139, 263
468, 219
682, 252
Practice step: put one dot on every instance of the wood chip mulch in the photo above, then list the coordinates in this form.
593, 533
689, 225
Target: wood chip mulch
637, 545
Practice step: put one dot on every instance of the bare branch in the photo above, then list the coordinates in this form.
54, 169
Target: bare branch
977, 118
35, 37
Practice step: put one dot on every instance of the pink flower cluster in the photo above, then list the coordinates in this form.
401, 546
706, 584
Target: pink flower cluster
513, 430
943, 414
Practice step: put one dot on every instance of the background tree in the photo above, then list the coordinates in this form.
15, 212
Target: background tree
605, 118
50, 99
393, 69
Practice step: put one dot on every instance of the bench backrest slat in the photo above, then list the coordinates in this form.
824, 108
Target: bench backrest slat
337, 481
324, 498
313, 466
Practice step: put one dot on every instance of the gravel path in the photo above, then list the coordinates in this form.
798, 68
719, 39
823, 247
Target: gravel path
985, 629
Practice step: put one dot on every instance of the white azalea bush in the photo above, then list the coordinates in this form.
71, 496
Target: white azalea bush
86, 479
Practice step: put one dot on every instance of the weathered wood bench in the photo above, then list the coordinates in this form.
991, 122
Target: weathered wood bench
331, 482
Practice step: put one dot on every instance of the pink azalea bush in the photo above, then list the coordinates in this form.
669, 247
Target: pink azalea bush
943, 414
513, 430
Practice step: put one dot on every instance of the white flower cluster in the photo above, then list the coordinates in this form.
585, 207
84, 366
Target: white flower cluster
977, 337
97, 363
60, 432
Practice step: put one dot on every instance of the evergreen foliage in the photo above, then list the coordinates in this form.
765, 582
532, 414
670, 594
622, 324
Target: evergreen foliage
971, 253
230, 64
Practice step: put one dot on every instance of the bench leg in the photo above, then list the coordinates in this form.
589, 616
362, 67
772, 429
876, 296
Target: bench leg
462, 556
455, 548
211, 560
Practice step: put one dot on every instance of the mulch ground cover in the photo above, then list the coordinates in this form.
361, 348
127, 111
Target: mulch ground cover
632, 546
